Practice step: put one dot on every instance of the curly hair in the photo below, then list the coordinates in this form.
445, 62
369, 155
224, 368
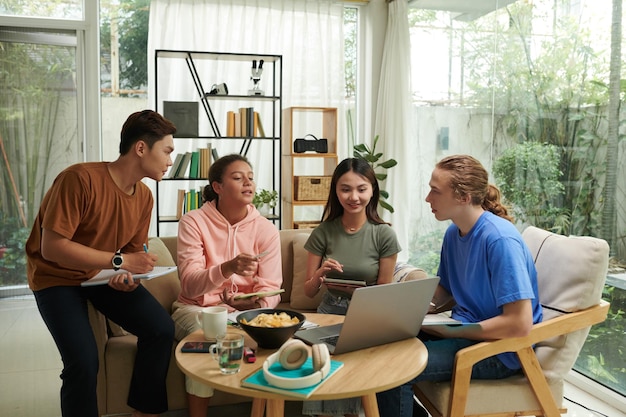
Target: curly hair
469, 177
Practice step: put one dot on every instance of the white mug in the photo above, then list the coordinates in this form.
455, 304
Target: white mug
212, 320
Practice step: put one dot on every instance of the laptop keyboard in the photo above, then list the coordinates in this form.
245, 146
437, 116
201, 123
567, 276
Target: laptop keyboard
331, 340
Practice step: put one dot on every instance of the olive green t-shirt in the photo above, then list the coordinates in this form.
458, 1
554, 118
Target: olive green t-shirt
359, 253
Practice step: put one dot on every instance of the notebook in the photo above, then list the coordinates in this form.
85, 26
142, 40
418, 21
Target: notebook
377, 315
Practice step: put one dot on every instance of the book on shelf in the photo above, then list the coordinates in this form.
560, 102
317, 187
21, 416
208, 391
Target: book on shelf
193, 200
257, 381
187, 200
258, 126
243, 120
237, 124
247, 121
183, 168
180, 203
175, 166
250, 122
230, 123
215, 155
194, 165
205, 161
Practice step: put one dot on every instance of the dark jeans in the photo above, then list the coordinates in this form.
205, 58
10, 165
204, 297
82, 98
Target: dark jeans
398, 402
64, 310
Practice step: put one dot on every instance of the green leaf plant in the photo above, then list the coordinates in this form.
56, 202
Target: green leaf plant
265, 197
362, 151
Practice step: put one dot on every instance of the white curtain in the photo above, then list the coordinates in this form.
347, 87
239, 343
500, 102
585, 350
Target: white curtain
307, 33
393, 121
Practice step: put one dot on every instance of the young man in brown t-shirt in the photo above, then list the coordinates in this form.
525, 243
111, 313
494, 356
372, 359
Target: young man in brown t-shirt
96, 216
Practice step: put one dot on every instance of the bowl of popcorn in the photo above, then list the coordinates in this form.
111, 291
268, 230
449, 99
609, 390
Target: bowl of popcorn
270, 327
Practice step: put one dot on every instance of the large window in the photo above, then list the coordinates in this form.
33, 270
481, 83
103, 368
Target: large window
525, 88
48, 113
38, 132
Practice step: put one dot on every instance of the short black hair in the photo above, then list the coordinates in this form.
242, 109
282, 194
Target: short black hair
146, 125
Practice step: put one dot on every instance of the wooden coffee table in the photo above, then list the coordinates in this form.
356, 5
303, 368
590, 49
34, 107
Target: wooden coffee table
365, 372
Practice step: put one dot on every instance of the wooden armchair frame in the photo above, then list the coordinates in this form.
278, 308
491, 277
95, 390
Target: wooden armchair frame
523, 347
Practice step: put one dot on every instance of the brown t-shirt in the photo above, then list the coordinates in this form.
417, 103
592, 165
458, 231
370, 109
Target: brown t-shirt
86, 206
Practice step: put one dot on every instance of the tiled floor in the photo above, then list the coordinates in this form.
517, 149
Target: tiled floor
30, 366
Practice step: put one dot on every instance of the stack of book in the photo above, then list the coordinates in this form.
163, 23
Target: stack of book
193, 165
245, 123
188, 200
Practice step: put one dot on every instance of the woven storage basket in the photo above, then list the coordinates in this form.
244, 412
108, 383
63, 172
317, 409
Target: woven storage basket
305, 224
312, 188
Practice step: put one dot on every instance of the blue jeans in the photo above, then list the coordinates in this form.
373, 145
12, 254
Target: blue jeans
398, 402
64, 310
332, 304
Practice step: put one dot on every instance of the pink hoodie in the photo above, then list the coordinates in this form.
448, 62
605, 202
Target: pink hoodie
206, 240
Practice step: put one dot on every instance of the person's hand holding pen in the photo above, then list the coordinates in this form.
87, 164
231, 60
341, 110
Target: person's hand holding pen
135, 263
139, 262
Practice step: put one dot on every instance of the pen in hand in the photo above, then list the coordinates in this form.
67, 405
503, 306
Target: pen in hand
145, 248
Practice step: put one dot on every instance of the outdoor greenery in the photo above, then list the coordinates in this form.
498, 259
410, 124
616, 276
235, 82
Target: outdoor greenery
528, 176
608, 336
129, 20
545, 90
426, 251
551, 145
33, 137
13, 237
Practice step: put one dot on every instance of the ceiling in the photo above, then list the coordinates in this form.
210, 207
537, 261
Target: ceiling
464, 10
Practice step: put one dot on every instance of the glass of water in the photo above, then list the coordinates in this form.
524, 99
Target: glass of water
228, 352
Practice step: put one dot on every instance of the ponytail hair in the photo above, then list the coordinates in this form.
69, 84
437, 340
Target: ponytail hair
492, 203
469, 177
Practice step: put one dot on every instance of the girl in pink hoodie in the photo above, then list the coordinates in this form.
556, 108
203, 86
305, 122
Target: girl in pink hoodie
225, 248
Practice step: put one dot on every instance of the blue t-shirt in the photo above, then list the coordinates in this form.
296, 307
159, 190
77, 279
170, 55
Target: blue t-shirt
487, 268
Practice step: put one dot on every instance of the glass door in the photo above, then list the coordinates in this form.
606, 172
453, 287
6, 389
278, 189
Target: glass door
39, 133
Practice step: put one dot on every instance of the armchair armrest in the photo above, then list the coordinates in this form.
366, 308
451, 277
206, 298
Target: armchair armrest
523, 346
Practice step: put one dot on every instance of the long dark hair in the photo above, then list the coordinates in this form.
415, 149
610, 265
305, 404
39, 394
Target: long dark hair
468, 176
334, 209
216, 173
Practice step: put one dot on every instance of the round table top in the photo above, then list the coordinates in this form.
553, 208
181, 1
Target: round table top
365, 371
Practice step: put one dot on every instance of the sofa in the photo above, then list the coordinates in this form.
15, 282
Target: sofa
117, 348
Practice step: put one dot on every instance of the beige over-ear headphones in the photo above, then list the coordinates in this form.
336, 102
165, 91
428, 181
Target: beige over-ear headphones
292, 355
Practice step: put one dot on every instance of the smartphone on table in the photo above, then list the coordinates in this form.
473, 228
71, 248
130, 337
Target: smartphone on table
196, 347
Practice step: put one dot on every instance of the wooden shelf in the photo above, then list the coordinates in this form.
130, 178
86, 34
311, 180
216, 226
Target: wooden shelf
298, 122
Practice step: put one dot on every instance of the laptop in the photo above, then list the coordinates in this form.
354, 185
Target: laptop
377, 315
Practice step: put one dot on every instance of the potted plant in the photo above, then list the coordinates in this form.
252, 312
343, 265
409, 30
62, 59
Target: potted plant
265, 200
361, 150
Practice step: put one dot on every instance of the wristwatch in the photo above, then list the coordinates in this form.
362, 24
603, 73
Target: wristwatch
117, 260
